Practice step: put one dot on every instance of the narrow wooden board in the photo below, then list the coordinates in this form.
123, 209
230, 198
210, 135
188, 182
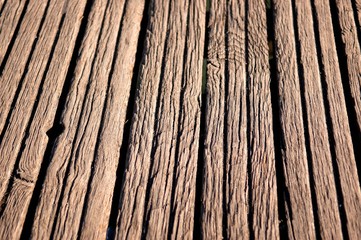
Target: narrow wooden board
261, 153
353, 55
16, 64
67, 177
213, 172
25, 101
317, 135
236, 145
157, 213
98, 204
31, 158
342, 145
299, 211
9, 19
183, 205
132, 201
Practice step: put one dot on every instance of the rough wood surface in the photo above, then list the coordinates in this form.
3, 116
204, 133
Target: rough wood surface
317, 135
160, 186
25, 101
16, 65
9, 19
68, 174
353, 55
132, 201
183, 205
261, 152
236, 145
99, 201
342, 145
213, 173
30, 159
299, 211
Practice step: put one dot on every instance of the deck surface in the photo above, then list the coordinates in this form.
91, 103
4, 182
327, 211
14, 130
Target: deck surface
220, 119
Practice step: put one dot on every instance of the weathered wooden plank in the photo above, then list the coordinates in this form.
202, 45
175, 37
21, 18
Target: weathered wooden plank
20, 115
236, 145
353, 55
16, 64
158, 207
67, 177
31, 158
98, 205
132, 201
9, 19
320, 155
183, 204
342, 145
358, 12
261, 153
299, 211
213, 172
22, 111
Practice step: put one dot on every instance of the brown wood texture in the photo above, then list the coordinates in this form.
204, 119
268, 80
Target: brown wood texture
217, 119
98, 204
320, 154
300, 220
261, 153
17, 61
67, 177
183, 205
213, 172
30, 159
9, 19
138, 163
342, 145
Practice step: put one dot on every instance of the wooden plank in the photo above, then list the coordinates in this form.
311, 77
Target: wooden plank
236, 146
320, 155
12, 74
261, 154
20, 115
9, 19
98, 204
344, 155
299, 204
132, 201
67, 177
353, 55
183, 204
157, 213
30, 159
16, 64
213, 172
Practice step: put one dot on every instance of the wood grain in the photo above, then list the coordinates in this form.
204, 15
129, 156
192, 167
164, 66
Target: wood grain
261, 152
299, 211
183, 205
317, 135
9, 19
98, 204
16, 64
160, 186
236, 105
213, 173
31, 158
353, 55
342, 145
68, 174
132, 201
